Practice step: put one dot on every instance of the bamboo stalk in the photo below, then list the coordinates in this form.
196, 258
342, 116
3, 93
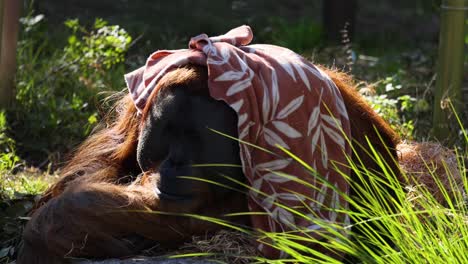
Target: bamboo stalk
449, 69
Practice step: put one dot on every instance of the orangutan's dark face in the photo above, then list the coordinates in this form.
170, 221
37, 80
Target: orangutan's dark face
176, 141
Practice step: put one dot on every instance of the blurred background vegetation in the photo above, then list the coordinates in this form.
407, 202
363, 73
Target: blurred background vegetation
72, 55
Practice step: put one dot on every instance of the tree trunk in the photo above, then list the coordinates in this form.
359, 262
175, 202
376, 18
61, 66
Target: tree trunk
449, 70
9, 26
338, 14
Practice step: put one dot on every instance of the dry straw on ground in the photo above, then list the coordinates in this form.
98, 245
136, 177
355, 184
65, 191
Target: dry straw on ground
427, 163
226, 246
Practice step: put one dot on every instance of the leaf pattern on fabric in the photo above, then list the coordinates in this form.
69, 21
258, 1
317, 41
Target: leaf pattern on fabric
283, 216
274, 139
291, 197
242, 119
266, 100
289, 60
273, 165
274, 177
245, 130
286, 129
237, 105
230, 76
291, 107
324, 125
275, 95
268, 201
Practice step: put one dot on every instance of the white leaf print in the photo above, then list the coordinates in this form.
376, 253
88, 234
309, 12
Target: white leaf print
274, 92
286, 129
257, 185
321, 73
335, 203
301, 72
342, 108
230, 76
284, 216
338, 99
320, 197
248, 49
332, 215
285, 63
313, 119
315, 139
239, 87
334, 136
260, 247
242, 62
242, 119
311, 217
291, 107
314, 227
274, 177
334, 122
225, 52
247, 160
273, 165
268, 202
324, 151
245, 130
219, 60
237, 105
291, 197
347, 221
266, 100
316, 71
272, 139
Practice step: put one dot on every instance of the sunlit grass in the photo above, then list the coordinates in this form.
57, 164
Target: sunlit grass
24, 183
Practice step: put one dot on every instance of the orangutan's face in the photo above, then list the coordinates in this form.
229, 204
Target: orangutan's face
176, 137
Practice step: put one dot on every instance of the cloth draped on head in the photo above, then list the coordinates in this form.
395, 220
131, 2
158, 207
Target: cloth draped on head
284, 104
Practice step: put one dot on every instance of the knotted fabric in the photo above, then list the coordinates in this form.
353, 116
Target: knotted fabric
284, 104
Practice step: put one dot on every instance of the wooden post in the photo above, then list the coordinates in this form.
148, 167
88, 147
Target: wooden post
9, 27
449, 69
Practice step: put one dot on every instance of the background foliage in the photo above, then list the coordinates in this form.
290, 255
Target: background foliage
58, 88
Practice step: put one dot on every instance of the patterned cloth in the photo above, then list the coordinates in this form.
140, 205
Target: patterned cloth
281, 100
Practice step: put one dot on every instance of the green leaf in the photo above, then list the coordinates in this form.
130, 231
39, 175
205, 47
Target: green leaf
92, 119
72, 40
72, 24
99, 23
